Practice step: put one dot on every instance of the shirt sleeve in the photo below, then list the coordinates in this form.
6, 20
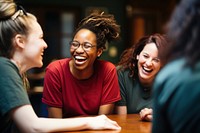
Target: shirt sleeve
111, 91
12, 91
52, 93
121, 80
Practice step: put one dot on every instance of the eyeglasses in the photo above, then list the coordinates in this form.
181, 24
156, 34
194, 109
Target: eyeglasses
85, 45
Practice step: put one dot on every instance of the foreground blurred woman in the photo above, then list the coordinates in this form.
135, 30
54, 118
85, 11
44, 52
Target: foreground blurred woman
177, 86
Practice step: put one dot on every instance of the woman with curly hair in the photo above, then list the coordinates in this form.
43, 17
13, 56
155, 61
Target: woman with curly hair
136, 72
83, 84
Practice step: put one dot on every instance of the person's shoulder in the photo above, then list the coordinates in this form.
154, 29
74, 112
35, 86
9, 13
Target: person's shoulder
176, 73
6, 67
119, 68
171, 69
58, 64
122, 70
4, 60
61, 62
105, 67
104, 63
5, 63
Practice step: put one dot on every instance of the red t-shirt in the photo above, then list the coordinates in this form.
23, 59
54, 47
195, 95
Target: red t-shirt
80, 97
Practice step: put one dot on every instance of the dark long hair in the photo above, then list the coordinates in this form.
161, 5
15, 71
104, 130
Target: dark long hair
183, 31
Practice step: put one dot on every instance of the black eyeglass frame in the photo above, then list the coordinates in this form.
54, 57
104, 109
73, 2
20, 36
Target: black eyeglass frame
90, 46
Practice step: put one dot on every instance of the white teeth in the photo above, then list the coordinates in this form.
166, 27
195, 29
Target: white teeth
80, 57
147, 70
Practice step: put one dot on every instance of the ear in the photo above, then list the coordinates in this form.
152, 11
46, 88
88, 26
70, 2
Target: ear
19, 40
137, 57
99, 52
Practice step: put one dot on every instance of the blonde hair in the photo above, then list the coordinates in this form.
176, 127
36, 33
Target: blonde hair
13, 20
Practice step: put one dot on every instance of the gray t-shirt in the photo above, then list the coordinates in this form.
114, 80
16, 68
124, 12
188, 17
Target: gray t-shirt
133, 94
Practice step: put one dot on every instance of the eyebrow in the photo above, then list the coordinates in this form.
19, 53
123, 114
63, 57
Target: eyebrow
149, 54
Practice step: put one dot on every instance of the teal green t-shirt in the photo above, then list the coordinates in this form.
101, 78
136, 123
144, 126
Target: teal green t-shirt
176, 104
134, 96
12, 92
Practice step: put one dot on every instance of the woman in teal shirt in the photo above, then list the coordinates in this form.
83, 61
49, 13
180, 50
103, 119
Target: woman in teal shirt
136, 72
177, 86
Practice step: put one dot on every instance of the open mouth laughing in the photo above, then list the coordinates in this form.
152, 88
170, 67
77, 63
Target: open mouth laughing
80, 59
146, 70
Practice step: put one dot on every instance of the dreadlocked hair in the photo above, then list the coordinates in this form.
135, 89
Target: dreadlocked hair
104, 26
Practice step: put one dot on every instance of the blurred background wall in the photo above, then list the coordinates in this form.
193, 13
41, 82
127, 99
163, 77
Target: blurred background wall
59, 18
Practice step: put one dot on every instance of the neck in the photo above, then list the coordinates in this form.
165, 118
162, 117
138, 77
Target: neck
16, 63
146, 83
81, 74
19, 66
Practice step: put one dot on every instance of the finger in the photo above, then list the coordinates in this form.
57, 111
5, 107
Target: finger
113, 125
143, 117
149, 117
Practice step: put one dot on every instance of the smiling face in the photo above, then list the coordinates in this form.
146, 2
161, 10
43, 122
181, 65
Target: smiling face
35, 45
83, 60
148, 63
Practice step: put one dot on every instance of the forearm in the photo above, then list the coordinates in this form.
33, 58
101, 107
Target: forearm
57, 125
54, 112
121, 109
27, 121
74, 124
106, 109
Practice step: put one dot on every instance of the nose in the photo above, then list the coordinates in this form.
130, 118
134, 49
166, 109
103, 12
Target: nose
45, 45
149, 62
80, 49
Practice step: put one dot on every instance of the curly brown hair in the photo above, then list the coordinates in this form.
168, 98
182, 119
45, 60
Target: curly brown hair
128, 59
103, 25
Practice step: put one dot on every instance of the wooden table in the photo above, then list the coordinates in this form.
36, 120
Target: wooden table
130, 123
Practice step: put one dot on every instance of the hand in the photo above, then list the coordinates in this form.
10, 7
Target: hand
103, 122
146, 114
